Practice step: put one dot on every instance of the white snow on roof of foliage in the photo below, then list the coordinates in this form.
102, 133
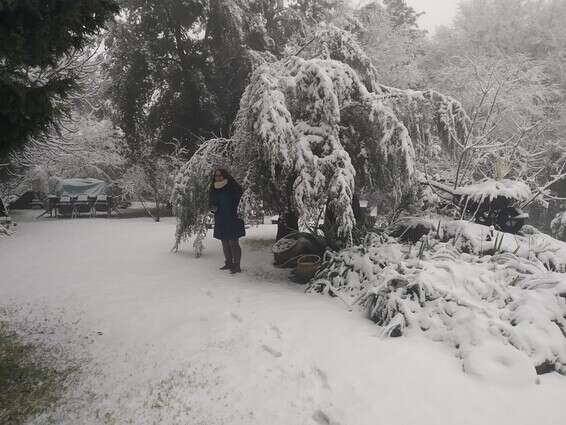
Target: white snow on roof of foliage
490, 189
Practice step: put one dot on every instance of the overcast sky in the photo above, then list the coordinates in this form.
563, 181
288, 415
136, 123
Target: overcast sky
437, 12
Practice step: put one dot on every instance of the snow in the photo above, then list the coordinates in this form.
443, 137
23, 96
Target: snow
502, 364
490, 189
541, 250
168, 338
537, 247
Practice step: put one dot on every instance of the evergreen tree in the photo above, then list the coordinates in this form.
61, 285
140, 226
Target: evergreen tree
401, 13
159, 65
35, 36
179, 67
393, 42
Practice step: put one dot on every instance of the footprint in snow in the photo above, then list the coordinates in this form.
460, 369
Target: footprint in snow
276, 330
322, 418
321, 375
236, 317
271, 351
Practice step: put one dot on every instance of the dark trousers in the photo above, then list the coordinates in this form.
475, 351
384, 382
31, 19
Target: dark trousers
232, 251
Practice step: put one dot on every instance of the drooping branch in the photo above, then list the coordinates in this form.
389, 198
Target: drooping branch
190, 191
430, 117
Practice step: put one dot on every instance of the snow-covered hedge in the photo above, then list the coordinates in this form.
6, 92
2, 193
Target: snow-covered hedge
505, 305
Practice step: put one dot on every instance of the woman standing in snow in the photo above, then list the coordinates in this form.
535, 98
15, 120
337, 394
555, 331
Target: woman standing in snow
224, 197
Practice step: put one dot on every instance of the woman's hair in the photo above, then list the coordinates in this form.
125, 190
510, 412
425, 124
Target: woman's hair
231, 182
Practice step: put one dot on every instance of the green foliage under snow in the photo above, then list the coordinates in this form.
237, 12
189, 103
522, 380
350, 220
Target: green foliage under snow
462, 287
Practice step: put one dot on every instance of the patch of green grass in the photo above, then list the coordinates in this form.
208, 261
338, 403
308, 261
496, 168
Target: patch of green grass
28, 385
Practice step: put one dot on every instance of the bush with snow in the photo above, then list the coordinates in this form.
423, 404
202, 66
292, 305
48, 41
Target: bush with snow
558, 226
490, 189
470, 301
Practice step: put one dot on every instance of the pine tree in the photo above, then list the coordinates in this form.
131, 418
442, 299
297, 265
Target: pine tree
37, 38
401, 13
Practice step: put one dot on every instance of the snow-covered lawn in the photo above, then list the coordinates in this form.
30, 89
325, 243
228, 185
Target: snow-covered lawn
169, 339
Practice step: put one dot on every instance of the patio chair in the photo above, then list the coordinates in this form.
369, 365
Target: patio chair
91, 203
65, 206
102, 203
81, 205
52, 201
36, 203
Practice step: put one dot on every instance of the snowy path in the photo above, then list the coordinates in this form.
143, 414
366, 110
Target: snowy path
173, 340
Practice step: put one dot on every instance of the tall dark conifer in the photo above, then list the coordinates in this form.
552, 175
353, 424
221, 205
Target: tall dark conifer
35, 35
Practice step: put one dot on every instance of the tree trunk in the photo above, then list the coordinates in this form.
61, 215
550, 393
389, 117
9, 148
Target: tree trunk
357, 209
288, 222
157, 207
147, 210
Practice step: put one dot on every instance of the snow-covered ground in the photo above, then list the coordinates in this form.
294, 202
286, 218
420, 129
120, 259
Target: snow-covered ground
169, 339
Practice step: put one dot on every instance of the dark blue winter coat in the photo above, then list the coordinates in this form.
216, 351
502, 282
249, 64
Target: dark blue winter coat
227, 225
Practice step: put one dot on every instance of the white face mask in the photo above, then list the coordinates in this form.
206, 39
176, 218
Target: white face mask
220, 185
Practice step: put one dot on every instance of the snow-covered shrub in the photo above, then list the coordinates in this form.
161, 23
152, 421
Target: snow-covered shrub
480, 240
466, 300
558, 226
490, 189
538, 247
352, 270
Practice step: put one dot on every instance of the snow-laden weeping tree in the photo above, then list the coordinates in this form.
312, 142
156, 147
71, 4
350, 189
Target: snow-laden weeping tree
314, 132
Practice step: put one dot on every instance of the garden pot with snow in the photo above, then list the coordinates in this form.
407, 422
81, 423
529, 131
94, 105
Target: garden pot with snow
287, 250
